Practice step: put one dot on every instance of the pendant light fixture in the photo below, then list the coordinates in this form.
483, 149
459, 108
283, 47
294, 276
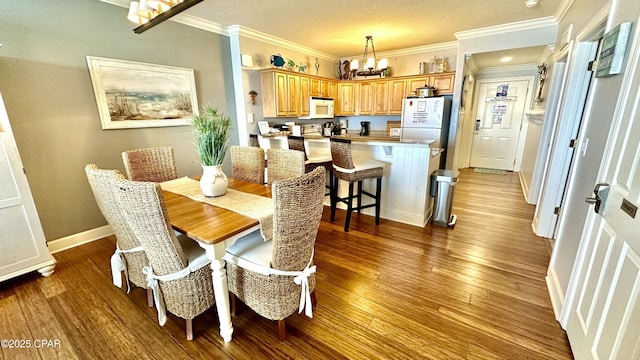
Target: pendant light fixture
370, 66
149, 13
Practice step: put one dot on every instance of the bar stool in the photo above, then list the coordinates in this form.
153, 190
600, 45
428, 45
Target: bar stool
253, 140
297, 143
353, 170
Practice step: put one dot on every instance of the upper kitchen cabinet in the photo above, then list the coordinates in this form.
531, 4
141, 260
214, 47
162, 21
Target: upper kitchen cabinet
365, 97
443, 82
346, 99
323, 87
397, 92
281, 94
305, 88
381, 97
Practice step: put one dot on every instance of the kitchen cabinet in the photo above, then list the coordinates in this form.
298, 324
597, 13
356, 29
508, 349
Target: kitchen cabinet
381, 97
345, 102
443, 82
332, 88
416, 82
280, 94
286, 94
316, 87
397, 92
304, 95
322, 87
365, 98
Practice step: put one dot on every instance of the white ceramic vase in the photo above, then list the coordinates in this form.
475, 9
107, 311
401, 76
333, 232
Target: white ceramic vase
213, 181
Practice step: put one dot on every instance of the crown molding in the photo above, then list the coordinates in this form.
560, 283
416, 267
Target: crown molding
508, 68
238, 30
562, 10
418, 50
471, 63
501, 29
451, 45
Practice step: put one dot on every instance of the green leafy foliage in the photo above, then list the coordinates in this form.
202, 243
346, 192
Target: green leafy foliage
211, 129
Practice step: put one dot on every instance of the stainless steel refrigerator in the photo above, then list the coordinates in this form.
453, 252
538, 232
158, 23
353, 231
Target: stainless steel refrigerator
427, 118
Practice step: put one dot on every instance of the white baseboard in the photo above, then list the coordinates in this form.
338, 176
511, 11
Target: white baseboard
525, 188
74, 240
555, 292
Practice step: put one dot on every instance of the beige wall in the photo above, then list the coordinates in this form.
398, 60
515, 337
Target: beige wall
48, 93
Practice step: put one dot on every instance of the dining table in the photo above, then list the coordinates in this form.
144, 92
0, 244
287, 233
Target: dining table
215, 228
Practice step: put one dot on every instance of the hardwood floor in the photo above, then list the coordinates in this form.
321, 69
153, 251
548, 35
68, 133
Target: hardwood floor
475, 291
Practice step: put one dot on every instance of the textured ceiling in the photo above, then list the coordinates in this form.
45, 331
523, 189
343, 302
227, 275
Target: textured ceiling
339, 27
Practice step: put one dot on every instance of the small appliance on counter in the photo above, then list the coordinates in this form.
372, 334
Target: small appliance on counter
364, 128
330, 128
312, 129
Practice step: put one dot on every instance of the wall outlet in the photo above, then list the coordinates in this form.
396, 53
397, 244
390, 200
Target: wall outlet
250, 118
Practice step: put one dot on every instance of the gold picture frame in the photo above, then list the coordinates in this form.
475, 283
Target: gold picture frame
138, 95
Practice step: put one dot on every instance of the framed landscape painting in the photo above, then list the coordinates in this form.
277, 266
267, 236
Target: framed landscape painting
135, 95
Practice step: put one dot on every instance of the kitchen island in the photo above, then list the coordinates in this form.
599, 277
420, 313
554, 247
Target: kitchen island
406, 177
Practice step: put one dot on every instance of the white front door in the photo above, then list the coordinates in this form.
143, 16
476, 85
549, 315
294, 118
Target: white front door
500, 110
604, 292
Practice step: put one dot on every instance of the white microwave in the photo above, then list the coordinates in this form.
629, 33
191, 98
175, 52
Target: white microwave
319, 108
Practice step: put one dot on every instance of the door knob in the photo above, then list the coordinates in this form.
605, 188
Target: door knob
601, 192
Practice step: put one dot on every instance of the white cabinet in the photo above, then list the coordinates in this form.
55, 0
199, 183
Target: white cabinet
23, 247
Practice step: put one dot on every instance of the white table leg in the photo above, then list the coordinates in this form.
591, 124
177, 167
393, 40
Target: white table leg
220, 290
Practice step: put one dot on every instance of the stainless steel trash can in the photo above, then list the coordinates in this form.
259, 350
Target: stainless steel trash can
443, 184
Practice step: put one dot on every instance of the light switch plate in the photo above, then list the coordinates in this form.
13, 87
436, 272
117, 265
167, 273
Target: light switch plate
250, 118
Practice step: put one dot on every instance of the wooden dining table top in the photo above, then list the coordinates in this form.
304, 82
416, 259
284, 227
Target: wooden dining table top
207, 223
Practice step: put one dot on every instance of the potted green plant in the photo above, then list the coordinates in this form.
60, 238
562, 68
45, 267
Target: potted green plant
211, 130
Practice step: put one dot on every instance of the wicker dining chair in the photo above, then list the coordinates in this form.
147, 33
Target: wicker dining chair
129, 257
247, 163
178, 271
275, 278
155, 164
284, 164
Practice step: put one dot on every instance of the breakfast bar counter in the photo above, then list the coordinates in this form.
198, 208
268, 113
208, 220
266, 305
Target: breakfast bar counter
406, 177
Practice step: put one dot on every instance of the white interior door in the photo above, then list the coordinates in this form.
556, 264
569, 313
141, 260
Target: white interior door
604, 307
500, 110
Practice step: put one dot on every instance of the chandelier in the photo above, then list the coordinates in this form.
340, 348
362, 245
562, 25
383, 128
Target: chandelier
149, 13
370, 66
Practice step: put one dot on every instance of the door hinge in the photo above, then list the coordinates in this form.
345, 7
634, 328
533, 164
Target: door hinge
24, 171
556, 210
591, 66
572, 143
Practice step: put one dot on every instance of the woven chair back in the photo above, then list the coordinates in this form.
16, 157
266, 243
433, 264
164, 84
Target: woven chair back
100, 181
247, 163
284, 164
298, 204
341, 153
144, 207
155, 164
297, 143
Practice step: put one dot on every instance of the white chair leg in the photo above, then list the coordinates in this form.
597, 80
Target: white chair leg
189, 329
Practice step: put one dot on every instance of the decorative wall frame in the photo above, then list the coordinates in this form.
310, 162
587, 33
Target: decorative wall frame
613, 50
136, 95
